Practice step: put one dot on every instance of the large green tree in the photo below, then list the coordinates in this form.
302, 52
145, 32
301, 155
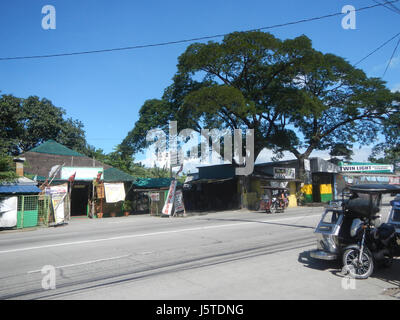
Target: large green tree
295, 98
7, 169
242, 82
25, 123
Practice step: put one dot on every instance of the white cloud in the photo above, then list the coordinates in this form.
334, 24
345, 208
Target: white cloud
396, 87
394, 63
360, 155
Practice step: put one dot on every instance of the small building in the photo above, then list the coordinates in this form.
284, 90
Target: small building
217, 187
150, 194
20, 205
65, 163
351, 173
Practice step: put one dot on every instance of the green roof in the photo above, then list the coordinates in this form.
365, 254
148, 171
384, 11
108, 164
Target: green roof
53, 147
152, 183
116, 175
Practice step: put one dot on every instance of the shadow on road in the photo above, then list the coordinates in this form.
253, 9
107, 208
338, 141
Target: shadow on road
389, 275
316, 264
264, 222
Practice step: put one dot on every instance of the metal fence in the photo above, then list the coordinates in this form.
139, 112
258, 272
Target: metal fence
33, 211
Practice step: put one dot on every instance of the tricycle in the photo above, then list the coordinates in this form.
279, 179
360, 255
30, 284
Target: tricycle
394, 215
273, 200
351, 230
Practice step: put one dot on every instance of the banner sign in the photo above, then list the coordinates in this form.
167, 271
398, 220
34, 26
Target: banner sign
8, 212
367, 168
167, 210
58, 195
284, 173
179, 206
115, 192
88, 173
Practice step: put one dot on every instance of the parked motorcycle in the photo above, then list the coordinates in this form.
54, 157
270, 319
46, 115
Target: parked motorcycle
350, 229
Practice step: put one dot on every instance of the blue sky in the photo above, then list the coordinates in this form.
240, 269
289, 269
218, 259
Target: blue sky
105, 91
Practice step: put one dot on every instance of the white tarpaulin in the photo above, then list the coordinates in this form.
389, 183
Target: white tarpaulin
58, 195
115, 192
8, 212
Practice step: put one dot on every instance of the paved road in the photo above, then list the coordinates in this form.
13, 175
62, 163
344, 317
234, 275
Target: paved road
227, 255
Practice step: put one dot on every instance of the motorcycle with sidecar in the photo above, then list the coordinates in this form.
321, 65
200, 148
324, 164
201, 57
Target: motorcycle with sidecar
273, 200
350, 229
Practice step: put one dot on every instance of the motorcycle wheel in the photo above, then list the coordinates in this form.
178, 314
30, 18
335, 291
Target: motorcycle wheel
273, 208
353, 266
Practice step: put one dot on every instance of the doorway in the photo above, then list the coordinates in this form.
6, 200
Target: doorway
79, 200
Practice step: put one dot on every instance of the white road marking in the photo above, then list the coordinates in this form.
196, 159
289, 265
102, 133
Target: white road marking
91, 241
82, 263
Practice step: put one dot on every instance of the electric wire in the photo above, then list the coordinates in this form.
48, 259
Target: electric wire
186, 40
377, 49
391, 6
391, 58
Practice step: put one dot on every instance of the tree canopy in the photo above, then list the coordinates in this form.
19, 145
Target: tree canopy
295, 98
25, 123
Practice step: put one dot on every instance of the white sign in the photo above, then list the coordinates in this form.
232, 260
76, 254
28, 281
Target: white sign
155, 196
8, 212
307, 166
81, 173
366, 168
58, 195
170, 199
115, 192
179, 206
284, 173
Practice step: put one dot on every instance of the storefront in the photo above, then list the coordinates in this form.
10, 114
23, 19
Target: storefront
352, 173
214, 188
277, 174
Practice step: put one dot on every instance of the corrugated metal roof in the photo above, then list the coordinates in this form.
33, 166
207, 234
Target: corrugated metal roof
152, 183
21, 189
53, 147
116, 175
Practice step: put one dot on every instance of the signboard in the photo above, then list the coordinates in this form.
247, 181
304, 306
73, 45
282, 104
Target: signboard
155, 196
285, 173
115, 192
367, 168
58, 195
179, 206
100, 191
394, 180
167, 210
307, 166
8, 212
88, 173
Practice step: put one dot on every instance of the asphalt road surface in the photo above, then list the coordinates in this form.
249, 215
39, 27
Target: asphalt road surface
227, 255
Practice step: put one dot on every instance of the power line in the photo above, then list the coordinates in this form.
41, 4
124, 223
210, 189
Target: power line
391, 58
377, 49
390, 7
188, 40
